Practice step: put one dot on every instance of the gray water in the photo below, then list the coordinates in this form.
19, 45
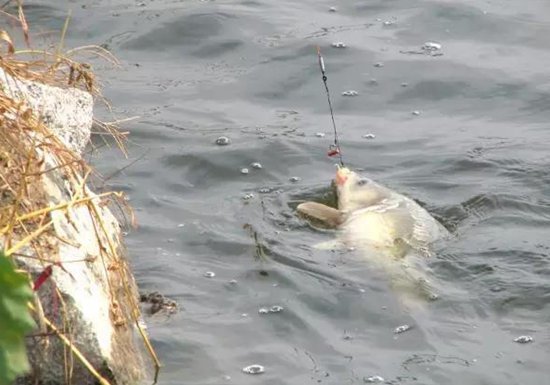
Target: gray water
476, 157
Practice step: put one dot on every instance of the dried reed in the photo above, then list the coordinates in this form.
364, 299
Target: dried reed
27, 149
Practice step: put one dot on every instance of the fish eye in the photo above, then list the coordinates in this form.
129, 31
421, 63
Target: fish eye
362, 182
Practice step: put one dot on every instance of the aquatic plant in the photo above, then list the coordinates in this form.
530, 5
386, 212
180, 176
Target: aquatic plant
15, 321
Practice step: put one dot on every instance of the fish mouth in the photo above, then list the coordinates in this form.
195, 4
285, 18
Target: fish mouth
341, 176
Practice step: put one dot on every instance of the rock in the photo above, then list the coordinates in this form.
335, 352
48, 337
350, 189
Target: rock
100, 294
91, 295
68, 113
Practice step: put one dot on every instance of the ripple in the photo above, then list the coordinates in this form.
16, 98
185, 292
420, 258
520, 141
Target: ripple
190, 30
476, 157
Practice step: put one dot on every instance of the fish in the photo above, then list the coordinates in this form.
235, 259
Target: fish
389, 230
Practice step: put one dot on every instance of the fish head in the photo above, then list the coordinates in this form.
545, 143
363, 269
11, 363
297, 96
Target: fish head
356, 192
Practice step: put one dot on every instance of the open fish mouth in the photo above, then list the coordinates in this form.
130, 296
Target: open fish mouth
342, 175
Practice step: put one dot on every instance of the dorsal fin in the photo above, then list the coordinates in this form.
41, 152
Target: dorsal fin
328, 216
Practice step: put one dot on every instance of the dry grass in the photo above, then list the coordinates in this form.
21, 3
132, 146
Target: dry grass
25, 146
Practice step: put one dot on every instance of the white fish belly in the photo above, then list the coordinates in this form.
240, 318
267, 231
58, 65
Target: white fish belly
370, 228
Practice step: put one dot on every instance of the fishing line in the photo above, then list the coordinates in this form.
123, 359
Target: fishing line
334, 149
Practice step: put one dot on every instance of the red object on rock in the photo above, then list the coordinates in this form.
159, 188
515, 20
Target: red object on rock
46, 273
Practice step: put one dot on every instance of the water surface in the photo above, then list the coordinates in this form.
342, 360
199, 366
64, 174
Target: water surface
476, 157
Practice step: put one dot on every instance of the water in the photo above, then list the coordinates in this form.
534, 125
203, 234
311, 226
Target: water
476, 157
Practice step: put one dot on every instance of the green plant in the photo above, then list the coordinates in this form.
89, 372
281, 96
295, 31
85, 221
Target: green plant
15, 321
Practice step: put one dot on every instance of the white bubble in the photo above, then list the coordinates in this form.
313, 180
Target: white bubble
523, 339
350, 93
254, 369
223, 141
142, 323
431, 46
402, 329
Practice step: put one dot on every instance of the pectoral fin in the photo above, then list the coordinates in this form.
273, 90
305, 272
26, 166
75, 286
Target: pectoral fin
319, 212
